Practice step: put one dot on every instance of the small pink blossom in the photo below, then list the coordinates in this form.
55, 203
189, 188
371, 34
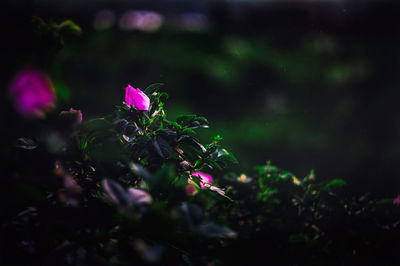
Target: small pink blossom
191, 189
204, 179
32, 93
396, 201
136, 98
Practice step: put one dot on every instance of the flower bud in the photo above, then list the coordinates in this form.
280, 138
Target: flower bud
136, 98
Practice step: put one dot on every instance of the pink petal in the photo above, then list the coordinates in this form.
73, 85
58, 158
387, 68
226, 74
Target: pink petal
129, 95
139, 196
204, 178
142, 102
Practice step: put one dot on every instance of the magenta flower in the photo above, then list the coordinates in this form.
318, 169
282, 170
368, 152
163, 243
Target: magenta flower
136, 98
32, 93
396, 201
204, 179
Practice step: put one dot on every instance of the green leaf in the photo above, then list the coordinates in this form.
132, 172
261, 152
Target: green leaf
334, 183
192, 121
98, 127
162, 147
161, 183
185, 119
188, 131
214, 164
70, 26
224, 156
168, 132
142, 145
153, 88
200, 121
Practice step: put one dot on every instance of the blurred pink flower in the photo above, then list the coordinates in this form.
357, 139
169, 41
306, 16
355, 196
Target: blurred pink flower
32, 93
396, 201
191, 189
204, 178
77, 113
136, 98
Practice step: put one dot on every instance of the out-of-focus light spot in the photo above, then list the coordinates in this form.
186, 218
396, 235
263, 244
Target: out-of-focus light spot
104, 19
275, 104
147, 21
244, 179
32, 93
192, 21
296, 181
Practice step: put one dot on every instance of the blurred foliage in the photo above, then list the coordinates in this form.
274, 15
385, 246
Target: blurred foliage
309, 104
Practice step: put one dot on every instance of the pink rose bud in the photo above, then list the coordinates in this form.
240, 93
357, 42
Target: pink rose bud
136, 98
32, 93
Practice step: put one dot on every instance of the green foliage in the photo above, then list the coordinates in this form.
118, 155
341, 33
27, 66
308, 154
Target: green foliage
127, 182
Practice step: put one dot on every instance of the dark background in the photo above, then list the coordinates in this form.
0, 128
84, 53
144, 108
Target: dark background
306, 84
